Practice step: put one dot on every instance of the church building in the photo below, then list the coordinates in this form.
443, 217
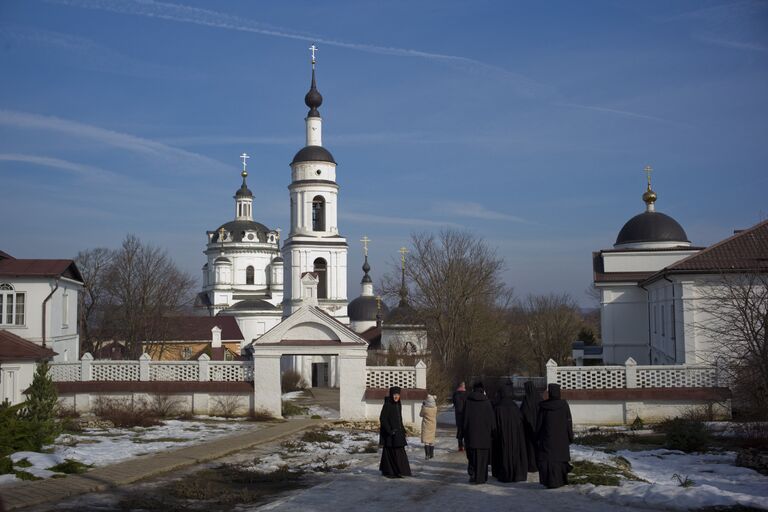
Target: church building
251, 277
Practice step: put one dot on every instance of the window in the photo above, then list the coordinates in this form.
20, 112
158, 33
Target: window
321, 269
186, 353
318, 214
249, 275
12, 305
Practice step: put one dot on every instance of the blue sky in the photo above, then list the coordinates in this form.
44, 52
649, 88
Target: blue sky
526, 124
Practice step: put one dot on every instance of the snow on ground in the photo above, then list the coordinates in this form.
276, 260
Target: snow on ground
103, 447
716, 481
293, 395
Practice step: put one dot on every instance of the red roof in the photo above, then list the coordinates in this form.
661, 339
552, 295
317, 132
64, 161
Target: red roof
15, 348
198, 328
745, 251
13, 267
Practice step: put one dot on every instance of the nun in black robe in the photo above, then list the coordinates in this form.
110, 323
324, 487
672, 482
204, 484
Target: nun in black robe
554, 435
478, 427
394, 460
530, 410
510, 463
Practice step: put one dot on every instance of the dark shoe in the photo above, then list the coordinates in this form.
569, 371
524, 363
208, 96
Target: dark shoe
426, 452
431, 451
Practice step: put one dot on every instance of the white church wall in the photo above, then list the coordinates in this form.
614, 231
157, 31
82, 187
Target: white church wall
624, 324
642, 261
209, 404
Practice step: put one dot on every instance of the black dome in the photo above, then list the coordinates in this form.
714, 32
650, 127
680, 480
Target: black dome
257, 304
651, 227
243, 191
238, 229
365, 308
403, 315
313, 154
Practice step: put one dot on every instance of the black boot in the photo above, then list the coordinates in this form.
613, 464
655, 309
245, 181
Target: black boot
431, 451
426, 452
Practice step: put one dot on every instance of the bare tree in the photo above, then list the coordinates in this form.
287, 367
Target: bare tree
142, 288
93, 265
457, 288
546, 326
733, 312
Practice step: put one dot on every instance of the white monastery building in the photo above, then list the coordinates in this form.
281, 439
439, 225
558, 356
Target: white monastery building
38, 302
652, 283
249, 276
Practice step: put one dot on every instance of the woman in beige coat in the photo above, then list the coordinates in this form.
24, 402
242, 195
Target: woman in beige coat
428, 425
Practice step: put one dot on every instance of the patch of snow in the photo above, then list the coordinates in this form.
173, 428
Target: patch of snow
293, 395
716, 481
8, 479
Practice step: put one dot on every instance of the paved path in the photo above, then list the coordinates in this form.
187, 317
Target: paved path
439, 485
99, 479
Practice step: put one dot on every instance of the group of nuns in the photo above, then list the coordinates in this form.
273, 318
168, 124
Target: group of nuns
514, 440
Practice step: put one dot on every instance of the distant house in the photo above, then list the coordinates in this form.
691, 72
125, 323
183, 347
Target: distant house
189, 337
18, 359
38, 302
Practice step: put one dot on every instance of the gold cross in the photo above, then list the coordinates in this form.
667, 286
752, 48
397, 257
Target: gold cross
648, 170
365, 241
403, 251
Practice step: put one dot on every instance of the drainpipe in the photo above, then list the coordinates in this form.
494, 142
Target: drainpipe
45, 301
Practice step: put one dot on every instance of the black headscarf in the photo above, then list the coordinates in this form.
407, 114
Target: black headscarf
553, 391
530, 405
394, 390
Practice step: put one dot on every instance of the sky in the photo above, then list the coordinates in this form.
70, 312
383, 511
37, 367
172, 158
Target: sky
525, 124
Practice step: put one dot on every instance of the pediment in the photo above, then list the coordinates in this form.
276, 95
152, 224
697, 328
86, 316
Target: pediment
309, 324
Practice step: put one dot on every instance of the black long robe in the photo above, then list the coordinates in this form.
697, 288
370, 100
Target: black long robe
530, 410
459, 400
510, 462
478, 426
554, 436
394, 460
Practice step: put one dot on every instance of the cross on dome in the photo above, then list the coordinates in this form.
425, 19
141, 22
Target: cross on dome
365, 241
245, 158
648, 170
403, 251
313, 49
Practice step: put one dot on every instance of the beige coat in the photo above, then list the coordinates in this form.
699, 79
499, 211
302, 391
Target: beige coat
428, 424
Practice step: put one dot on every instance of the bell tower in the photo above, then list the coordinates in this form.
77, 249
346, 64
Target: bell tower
314, 244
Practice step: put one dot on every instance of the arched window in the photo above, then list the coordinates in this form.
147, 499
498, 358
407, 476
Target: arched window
249, 275
318, 213
321, 269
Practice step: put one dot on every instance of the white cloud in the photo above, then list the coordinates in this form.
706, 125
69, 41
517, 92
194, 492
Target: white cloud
366, 218
478, 211
205, 17
624, 113
729, 43
79, 169
25, 120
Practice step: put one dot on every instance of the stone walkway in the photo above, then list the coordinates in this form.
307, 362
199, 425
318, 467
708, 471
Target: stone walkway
45, 491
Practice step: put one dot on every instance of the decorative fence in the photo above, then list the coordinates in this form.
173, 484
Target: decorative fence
202, 370
205, 370
633, 376
401, 376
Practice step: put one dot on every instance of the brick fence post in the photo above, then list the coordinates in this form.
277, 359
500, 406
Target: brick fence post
421, 375
144, 366
551, 372
630, 373
85, 367
203, 368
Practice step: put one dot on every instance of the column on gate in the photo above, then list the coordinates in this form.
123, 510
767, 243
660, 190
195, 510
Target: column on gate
351, 368
266, 383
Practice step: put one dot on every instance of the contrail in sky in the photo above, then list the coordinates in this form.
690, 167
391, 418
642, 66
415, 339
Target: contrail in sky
195, 15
